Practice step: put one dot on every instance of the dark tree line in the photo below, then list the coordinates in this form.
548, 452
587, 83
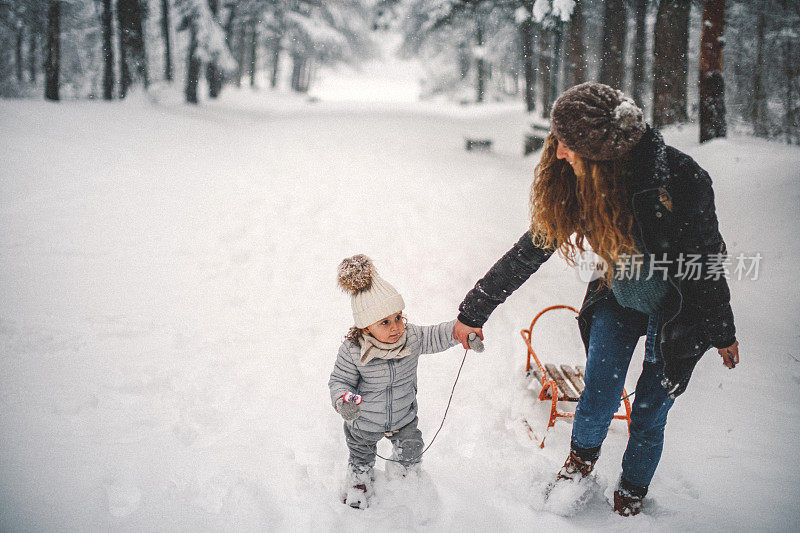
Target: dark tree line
748, 50
127, 44
652, 49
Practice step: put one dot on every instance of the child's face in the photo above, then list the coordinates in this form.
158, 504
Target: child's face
389, 329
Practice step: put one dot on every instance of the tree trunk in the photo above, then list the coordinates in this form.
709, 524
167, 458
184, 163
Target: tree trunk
639, 52
305, 77
526, 38
712, 84
481, 61
18, 53
193, 66
240, 52
612, 51
229, 41
575, 53
213, 74
108, 52
124, 73
133, 62
558, 32
545, 70
229, 25
464, 60
165, 27
214, 77
758, 105
53, 63
141, 54
296, 69
253, 52
670, 62
276, 58
789, 123
32, 55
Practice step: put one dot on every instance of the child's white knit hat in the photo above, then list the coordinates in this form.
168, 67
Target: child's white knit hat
371, 297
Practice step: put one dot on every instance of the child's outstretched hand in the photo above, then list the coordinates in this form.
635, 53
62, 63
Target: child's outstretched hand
461, 333
348, 405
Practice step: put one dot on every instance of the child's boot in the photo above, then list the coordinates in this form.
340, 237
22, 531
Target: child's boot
359, 486
397, 470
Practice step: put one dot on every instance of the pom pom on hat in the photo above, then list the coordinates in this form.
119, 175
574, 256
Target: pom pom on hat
356, 273
596, 121
372, 298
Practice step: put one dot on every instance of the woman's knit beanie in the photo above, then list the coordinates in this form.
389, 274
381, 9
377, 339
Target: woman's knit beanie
596, 121
371, 297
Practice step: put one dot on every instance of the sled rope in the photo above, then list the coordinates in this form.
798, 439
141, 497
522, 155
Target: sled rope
628, 396
414, 459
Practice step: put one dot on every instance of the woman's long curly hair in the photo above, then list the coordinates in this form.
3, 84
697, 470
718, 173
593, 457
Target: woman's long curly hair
591, 206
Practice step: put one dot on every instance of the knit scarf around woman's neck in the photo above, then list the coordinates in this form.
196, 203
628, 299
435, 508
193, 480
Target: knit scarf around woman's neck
372, 348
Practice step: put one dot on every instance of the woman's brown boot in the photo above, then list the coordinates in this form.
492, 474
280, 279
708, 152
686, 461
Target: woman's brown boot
628, 498
575, 467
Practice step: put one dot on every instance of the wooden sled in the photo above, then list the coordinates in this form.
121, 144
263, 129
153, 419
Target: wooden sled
562, 383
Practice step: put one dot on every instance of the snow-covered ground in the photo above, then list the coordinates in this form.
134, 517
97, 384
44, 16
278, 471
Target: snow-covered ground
170, 317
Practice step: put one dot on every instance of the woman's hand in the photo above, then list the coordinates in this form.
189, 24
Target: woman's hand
730, 355
461, 333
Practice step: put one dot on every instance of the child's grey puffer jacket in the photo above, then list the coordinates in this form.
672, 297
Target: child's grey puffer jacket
389, 387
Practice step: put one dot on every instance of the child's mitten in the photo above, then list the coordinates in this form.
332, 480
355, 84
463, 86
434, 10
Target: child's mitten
348, 405
475, 342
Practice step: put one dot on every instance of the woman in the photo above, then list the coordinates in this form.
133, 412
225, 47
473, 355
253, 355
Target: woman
607, 180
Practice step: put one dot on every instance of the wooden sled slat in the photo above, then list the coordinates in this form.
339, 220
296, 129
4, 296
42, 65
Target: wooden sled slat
564, 388
574, 378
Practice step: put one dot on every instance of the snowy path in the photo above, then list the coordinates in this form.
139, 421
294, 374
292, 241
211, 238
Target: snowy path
170, 318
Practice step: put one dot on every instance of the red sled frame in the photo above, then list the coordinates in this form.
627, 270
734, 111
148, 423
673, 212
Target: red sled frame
549, 385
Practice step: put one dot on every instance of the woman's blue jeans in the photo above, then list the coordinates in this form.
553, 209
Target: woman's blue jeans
615, 331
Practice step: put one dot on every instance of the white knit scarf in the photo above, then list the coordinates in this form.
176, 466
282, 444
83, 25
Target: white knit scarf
372, 348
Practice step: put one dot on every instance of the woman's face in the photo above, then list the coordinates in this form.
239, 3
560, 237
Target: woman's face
568, 155
389, 329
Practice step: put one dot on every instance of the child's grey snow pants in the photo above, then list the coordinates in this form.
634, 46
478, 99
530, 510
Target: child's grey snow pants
407, 443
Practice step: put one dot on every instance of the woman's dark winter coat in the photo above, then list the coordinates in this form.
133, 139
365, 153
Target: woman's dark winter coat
673, 209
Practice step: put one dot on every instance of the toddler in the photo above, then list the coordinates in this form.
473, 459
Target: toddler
373, 385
